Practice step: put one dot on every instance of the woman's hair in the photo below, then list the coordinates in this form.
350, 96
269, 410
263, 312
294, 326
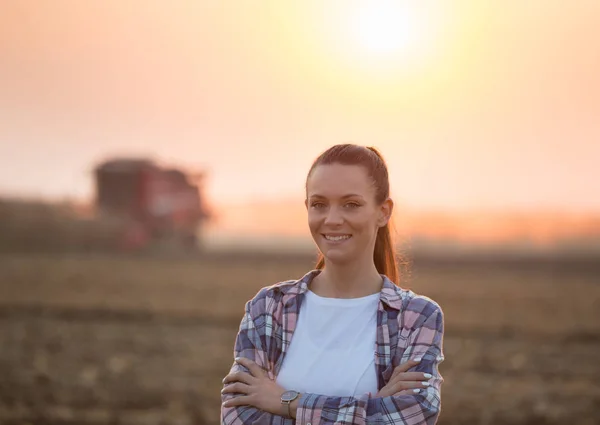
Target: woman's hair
384, 254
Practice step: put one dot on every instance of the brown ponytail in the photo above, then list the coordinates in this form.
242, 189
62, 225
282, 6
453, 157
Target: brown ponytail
384, 254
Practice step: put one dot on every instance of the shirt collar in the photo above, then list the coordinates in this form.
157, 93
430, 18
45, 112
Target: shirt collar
390, 292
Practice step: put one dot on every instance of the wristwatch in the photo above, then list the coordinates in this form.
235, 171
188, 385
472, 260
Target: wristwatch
287, 398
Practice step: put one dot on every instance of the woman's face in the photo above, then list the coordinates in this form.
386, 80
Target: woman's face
343, 215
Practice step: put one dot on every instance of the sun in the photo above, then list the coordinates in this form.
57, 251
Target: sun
386, 26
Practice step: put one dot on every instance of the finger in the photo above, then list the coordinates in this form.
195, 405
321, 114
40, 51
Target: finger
406, 366
254, 369
243, 400
416, 376
244, 377
236, 387
411, 376
408, 392
405, 385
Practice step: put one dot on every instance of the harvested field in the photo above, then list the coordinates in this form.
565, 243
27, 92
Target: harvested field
99, 340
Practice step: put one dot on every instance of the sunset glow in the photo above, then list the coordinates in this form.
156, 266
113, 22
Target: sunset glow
475, 105
386, 27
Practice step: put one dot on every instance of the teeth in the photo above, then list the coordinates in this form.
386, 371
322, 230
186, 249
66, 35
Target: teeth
336, 238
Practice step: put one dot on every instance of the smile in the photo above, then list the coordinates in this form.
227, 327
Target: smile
337, 238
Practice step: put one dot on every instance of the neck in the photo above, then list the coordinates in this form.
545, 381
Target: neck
347, 280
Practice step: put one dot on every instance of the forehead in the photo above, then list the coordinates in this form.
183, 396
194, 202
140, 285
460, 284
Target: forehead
336, 180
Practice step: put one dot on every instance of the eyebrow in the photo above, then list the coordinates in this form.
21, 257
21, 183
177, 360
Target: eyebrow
351, 195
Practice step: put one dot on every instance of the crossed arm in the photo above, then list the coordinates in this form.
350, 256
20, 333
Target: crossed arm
259, 403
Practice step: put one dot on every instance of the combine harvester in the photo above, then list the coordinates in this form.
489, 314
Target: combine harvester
158, 207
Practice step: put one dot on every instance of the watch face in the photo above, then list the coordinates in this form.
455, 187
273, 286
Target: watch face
289, 395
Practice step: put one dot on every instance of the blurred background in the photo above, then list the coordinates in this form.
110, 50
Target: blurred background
152, 164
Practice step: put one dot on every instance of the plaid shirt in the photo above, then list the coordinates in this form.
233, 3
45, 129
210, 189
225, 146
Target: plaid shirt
408, 326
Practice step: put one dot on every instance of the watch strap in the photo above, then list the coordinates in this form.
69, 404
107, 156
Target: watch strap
289, 403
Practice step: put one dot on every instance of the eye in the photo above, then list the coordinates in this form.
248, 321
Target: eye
352, 205
317, 205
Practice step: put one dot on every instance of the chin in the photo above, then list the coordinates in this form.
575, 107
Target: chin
337, 257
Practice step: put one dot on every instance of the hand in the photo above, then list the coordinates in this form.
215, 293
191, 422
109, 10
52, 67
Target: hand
258, 389
403, 382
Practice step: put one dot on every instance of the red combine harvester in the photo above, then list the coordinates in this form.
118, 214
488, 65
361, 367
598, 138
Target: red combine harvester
156, 205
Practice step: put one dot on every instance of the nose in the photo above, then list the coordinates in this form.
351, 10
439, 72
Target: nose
333, 217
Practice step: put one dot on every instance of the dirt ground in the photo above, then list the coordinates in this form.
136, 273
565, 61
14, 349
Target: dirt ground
98, 340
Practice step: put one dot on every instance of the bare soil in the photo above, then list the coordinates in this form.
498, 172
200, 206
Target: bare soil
103, 340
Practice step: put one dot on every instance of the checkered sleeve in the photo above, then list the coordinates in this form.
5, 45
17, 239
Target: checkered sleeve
426, 323
252, 342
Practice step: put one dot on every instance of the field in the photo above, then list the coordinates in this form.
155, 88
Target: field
99, 340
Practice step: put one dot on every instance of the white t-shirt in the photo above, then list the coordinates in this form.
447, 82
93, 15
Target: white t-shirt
332, 351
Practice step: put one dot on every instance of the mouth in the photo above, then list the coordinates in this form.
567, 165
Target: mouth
335, 238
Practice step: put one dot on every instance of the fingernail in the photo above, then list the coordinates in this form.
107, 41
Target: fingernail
427, 375
425, 384
418, 359
237, 359
416, 390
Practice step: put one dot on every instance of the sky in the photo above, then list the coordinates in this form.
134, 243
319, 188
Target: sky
474, 104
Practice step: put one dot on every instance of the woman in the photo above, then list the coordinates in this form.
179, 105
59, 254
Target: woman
343, 344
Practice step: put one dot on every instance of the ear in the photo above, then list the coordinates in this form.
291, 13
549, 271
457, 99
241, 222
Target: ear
385, 212
306, 203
